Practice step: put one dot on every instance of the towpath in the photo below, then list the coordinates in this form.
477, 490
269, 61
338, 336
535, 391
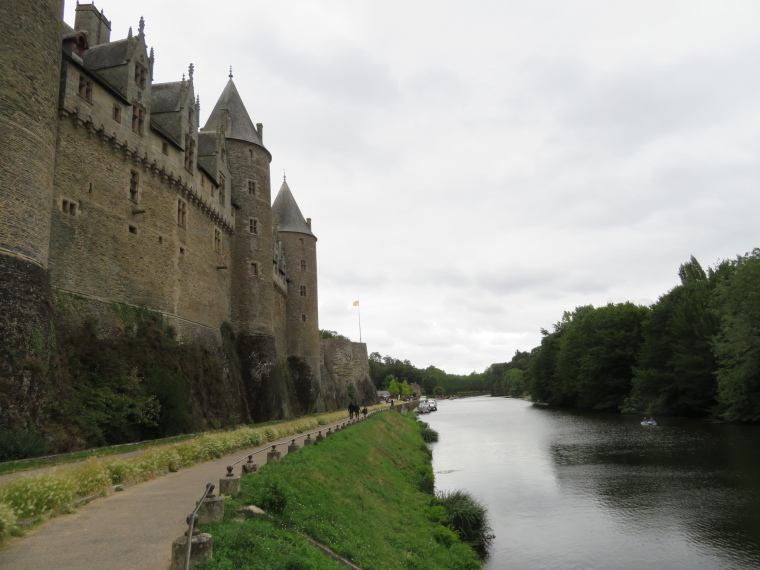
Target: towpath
129, 530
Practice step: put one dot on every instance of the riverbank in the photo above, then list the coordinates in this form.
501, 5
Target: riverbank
366, 493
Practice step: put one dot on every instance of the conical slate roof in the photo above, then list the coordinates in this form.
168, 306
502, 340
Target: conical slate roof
240, 126
291, 218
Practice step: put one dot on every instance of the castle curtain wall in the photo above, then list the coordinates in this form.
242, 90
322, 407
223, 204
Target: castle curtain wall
123, 242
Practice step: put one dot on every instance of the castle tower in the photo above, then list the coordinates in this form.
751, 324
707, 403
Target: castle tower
248, 161
300, 249
30, 63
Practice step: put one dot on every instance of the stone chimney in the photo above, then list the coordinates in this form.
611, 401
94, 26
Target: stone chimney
94, 23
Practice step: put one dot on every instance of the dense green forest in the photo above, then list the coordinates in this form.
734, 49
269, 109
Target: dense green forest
385, 369
695, 352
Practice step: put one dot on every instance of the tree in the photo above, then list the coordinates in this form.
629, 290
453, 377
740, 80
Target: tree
737, 345
393, 386
675, 369
597, 354
405, 388
439, 391
332, 334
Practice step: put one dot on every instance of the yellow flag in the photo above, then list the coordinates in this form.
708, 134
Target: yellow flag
356, 303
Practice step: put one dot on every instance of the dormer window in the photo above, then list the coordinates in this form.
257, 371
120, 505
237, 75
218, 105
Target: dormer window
190, 116
222, 185
141, 75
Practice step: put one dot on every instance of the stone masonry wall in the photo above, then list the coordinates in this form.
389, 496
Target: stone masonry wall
252, 308
134, 251
344, 363
30, 67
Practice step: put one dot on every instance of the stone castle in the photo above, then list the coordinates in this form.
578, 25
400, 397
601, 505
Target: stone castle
114, 194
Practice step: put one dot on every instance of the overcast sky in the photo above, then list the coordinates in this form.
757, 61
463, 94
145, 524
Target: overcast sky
474, 169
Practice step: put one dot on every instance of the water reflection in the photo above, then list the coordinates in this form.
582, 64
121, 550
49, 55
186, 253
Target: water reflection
573, 490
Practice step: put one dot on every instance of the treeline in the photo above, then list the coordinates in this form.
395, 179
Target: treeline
385, 369
695, 352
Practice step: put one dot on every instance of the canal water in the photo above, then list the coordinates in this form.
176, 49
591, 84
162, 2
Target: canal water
578, 490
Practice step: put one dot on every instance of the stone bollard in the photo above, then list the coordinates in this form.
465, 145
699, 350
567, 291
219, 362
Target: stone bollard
249, 467
201, 549
330, 431
274, 455
320, 437
293, 447
212, 509
229, 484
308, 440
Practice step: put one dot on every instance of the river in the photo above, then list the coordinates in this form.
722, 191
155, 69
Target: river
574, 490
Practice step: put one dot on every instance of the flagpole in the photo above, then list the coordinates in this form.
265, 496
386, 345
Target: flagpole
359, 311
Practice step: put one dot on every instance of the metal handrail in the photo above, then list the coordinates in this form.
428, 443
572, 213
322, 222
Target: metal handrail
192, 518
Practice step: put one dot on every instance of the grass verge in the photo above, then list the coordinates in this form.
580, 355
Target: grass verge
54, 491
367, 493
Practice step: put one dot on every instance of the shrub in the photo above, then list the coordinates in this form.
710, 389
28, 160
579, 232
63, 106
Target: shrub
425, 479
21, 444
429, 435
273, 499
467, 516
444, 536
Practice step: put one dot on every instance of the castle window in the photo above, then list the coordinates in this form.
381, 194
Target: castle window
165, 147
222, 186
252, 187
138, 119
181, 213
134, 193
213, 190
224, 154
253, 226
133, 230
69, 207
141, 74
250, 153
190, 116
303, 265
217, 240
254, 269
300, 241
303, 317
182, 251
302, 290
85, 88
189, 152
117, 113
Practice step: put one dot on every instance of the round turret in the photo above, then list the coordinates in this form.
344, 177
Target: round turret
300, 249
30, 62
252, 244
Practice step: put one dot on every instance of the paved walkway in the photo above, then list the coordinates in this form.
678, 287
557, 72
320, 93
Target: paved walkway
130, 530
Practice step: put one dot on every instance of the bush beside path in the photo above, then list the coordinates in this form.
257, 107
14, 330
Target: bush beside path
132, 529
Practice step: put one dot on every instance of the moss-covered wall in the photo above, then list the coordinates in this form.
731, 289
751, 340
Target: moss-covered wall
108, 373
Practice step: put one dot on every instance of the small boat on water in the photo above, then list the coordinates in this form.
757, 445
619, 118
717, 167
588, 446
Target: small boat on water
649, 423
